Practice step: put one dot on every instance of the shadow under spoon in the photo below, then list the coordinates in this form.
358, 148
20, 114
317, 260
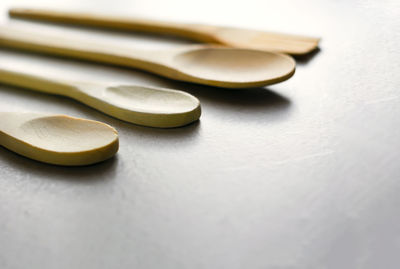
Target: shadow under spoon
202, 64
57, 139
147, 106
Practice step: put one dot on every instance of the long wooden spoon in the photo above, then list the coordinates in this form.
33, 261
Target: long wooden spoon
215, 66
57, 139
154, 107
229, 36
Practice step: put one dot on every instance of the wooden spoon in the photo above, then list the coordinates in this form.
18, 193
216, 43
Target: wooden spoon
229, 36
57, 139
154, 107
215, 66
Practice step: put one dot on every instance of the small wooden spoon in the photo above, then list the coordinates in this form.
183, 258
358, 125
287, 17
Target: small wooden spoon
57, 139
214, 66
154, 107
228, 36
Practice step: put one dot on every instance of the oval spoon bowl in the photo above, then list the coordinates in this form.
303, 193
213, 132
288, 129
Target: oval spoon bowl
234, 68
147, 106
58, 139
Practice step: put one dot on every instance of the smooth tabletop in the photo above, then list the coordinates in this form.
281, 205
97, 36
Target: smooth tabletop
304, 174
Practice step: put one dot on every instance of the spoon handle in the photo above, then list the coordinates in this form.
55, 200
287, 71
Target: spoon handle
202, 33
36, 83
81, 49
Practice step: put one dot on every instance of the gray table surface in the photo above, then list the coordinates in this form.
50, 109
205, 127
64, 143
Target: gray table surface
302, 174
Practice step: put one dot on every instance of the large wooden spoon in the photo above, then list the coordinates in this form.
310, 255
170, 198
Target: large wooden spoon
215, 66
229, 36
148, 106
57, 139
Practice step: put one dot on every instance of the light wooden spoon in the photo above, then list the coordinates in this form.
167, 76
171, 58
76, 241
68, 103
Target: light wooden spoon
214, 66
57, 139
229, 36
148, 106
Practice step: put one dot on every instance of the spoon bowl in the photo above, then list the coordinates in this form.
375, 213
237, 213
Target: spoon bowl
151, 100
57, 139
241, 67
147, 106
